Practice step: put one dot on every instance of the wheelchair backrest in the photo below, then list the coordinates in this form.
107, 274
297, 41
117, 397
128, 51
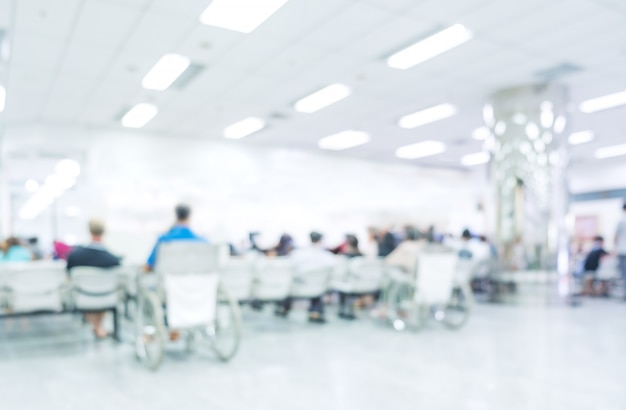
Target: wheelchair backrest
189, 257
435, 276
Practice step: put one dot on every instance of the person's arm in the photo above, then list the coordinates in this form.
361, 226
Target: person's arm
149, 266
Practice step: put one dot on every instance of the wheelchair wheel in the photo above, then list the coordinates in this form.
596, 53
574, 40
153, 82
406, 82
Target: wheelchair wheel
403, 313
150, 330
457, 312
224, 336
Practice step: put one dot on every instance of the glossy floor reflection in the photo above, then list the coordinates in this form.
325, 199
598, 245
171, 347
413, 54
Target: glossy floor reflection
508, 357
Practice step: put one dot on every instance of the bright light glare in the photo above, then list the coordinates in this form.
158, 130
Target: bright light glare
68, 168
580, 137
603, 103
3, 97
243, 16
477, 158
421, 150
32, 185
139, 115
244, 128
481, 133
430, 47
344, 140
323, 98
432, 114
611, 151
165, 72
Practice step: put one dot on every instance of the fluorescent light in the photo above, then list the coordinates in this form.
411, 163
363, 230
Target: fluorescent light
559, 124
3, 97
31, 185
139, 115
323, 98
610, 152
421, 150
580, 137
68, 167
344, 140
165, 72
243, 16
481, 133
244, 128
430, 47
432, 114
603, 103
477, 158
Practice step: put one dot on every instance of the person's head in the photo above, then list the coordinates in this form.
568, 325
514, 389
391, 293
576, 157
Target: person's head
598, 240
12, 241
183, 212
316, 237
34, 241
466, 234
96, 229
352, 241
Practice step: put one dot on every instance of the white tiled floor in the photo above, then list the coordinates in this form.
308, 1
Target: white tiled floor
508, 357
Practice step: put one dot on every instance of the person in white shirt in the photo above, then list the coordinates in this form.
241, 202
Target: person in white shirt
305, 260
620, 245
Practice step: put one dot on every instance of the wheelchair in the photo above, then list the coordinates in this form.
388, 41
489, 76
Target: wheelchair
440, 290
185, 295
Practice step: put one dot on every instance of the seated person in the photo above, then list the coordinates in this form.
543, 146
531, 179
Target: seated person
305, 259
351, 247
179, 232
14, 251
93, 255
405, 255
591, 265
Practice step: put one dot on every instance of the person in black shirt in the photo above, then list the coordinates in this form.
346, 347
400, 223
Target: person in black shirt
592, 263
93, 255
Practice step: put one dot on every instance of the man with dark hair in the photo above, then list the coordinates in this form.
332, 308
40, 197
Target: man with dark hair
93, 255
591, 265
179, 232
620, 245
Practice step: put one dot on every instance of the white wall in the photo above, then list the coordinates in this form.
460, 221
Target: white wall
133, 181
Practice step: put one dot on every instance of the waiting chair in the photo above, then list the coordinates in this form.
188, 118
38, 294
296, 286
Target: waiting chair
365, 276
272, 279
236, 277
36, 287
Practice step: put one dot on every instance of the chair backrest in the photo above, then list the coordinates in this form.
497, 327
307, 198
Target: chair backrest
340, 270
367, 268
272, 278
236, 277
189, 257
435, 277
35, 287
95, 288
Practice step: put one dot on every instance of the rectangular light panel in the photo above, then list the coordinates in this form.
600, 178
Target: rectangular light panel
344, 140
580, 137
430, 47
611, 151
3, 97
165, 72
432, 114
243, 16
421, 150
603, 103
323, 98
477, 158
244, 128
139, 115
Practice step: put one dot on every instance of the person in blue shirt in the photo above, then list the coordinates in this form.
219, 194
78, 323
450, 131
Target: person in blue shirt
14, 251
179, 232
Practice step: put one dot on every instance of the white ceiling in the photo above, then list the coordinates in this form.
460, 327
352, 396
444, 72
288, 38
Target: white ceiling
80, 62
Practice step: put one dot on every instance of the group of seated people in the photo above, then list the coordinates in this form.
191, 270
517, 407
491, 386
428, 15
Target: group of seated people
397, 250
14, 249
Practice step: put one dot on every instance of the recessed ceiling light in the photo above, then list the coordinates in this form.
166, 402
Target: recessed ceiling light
165, 72
603, 103
611, 151
421, 149
3, 97
477, 158
430, 47
580, 137
432, 114
344, 140
139, 115
32, 185
243, 16
244, 128
322, 98
481, 133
